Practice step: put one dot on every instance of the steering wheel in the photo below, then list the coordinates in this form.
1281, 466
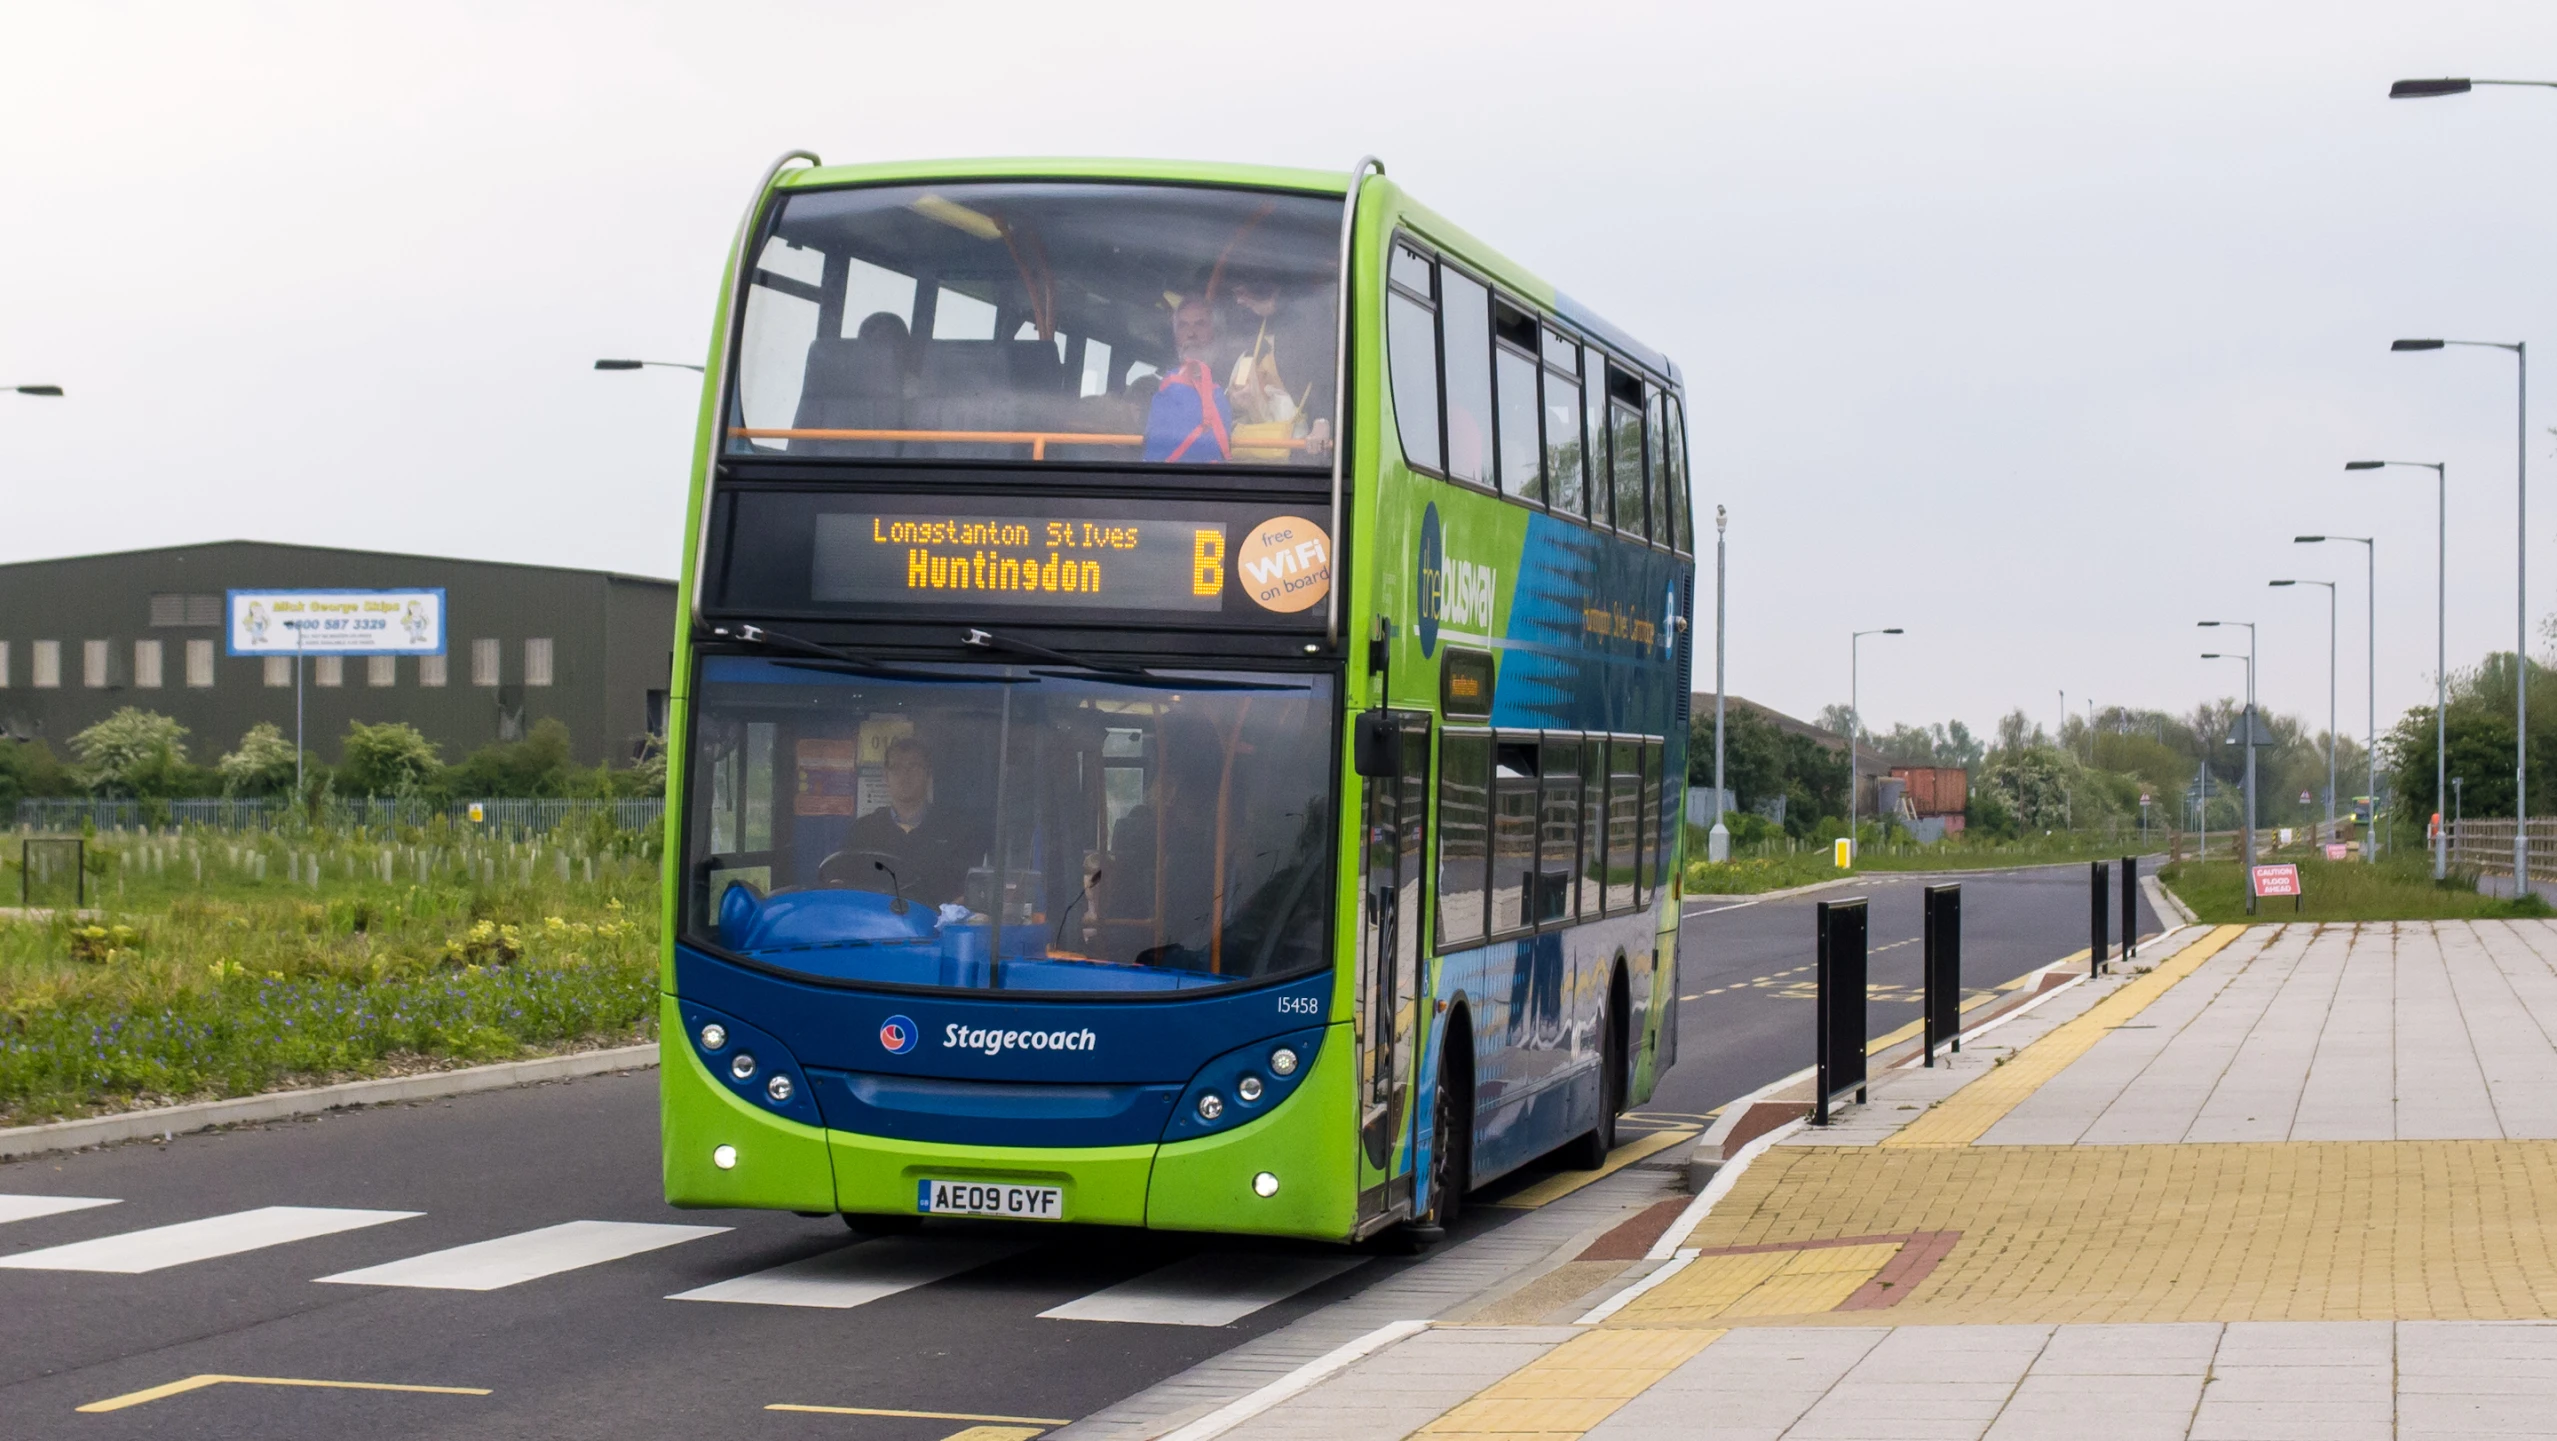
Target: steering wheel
859, 871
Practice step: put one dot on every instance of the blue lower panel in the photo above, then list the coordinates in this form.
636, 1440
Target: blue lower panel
915, 1108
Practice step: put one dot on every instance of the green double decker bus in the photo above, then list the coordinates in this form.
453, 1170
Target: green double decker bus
1180, 711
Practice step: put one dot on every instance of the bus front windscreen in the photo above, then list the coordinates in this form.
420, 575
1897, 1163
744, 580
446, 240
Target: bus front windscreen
1047, 321
1010, 828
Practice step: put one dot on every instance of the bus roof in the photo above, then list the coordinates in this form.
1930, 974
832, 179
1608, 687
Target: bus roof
1202, 172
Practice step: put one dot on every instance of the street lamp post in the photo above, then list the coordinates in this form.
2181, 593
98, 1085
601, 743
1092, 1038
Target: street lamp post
2441, 640
2247, 860
1855, 722
2330, 696
2370, 842
2521, 564
1718, 841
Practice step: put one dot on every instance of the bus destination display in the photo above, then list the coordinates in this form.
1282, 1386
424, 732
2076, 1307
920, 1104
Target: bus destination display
1125, 562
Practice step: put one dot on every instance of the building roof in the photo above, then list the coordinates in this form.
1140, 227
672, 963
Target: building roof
329, 550
1868, 760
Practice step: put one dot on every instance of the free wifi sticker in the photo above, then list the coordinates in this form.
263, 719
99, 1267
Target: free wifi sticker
1285, 563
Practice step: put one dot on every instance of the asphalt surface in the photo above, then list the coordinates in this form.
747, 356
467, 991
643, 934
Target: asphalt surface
597, 1344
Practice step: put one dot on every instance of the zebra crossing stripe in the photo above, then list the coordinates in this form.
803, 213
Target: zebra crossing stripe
27, 1208
526, 1256
1217, 1288
159, 1247
858, 1274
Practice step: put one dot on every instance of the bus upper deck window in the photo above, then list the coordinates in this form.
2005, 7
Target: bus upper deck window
1565, 490
1465, 350
1655, 470
1521, 449
1411, 348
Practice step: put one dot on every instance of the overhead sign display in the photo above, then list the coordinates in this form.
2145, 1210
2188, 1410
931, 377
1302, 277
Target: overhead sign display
336, 622
1132, 562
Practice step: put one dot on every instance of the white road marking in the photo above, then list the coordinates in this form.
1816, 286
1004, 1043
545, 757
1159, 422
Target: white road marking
857, 1274
1215, 1289
135, 1252
1718, 910
525, 1256
27, 1208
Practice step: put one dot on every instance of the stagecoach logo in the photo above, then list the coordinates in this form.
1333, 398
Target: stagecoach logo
897, 1035
1456, 593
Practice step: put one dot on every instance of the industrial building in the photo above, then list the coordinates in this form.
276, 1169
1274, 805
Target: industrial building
83, 636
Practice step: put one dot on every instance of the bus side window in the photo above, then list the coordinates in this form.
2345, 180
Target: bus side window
1593, 402
1557, 833
1514, 364
1411, 340
1647, 877
1625, 449
1464, 834
1514, 804
1682, 502
1654, 470
1465, 354
1624, 822
1593, 827
1563, 449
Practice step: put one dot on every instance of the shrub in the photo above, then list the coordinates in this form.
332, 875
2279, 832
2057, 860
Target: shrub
389, 759
262, 766
134, 752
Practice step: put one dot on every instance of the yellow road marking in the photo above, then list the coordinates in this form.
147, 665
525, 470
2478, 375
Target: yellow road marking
198, 1383
1968, 1114
1561, 1184
1575, 1386
924, 1416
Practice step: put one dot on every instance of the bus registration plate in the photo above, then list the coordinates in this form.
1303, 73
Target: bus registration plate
991, 1198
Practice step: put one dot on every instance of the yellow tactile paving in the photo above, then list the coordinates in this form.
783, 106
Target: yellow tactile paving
1573, 1387
2297, 1230
1966, 1115
1763, 1283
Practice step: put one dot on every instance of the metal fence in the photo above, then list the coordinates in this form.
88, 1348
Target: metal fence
513, 816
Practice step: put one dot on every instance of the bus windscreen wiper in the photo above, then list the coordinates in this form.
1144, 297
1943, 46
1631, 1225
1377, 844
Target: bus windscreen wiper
777, 640
989, 640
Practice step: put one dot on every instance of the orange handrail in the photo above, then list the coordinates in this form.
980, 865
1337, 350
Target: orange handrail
1037, 440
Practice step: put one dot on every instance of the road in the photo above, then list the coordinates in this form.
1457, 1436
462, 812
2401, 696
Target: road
528, 1266
1745, 968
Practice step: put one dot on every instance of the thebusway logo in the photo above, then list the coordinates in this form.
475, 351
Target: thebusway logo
897, 1035
995, 1043
1458, 593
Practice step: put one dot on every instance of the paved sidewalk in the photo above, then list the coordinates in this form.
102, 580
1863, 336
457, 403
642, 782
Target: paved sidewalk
2286, 1181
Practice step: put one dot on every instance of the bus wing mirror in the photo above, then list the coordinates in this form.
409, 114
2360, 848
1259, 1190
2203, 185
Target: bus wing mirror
1376, 745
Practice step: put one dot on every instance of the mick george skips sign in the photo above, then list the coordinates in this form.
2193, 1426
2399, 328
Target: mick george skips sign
336, 622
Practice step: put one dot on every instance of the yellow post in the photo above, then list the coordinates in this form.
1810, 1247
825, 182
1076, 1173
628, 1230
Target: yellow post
1842, 853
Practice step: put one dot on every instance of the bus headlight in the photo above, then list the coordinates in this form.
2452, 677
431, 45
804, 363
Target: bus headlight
743, 1066
1283, 1061
1211, 1106
714, 1037
1249, 1088
1265, 1184
779, 1089
724, 1157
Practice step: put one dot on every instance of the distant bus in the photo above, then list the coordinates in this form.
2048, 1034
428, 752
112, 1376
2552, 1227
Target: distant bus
1131, 768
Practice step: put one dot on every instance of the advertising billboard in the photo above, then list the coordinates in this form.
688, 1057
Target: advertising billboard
336, 622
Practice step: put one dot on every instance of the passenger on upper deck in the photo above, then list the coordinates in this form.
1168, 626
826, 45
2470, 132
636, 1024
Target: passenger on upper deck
1191, 419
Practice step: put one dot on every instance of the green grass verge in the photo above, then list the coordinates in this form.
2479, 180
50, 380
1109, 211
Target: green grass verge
208, 973
2394, 890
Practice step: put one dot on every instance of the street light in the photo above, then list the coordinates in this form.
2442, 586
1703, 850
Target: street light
2250, 738
1855, 723
636, 364
54, 391
2441, 641
1718, 840
2521, 581
2330, 695
2370, 547
2430, 89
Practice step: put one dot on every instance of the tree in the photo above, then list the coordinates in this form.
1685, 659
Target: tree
262, 766
30, 768
537, 765
133, 753
390, 759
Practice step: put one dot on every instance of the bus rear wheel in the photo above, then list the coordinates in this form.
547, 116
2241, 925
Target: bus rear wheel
1591, 1150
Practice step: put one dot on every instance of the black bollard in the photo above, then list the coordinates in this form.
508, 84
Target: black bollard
2098, 910
2130, 907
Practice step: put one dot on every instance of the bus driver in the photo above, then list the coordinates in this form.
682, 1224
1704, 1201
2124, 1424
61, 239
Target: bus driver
921, 840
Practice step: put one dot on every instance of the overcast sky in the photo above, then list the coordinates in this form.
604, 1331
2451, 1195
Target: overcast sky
2036, 329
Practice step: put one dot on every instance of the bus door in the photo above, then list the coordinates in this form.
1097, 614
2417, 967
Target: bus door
1390, 961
